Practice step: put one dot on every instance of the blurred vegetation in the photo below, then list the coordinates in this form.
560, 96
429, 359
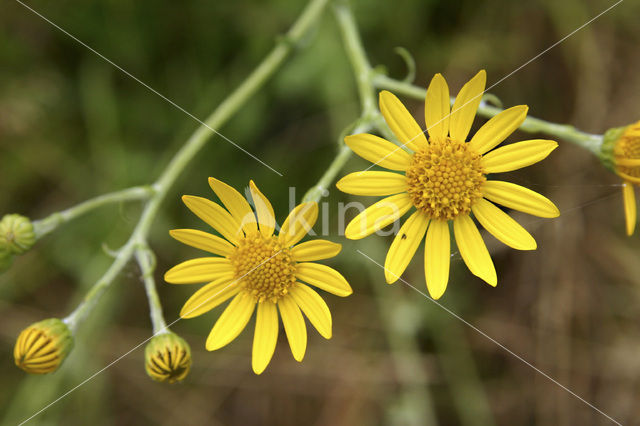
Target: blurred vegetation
72, 126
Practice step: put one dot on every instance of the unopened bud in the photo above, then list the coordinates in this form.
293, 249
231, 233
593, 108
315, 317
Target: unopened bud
167, 358
42, 347
16, 233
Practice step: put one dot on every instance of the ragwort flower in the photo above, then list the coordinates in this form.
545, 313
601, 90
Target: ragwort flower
259, 269
626, 159
444, 178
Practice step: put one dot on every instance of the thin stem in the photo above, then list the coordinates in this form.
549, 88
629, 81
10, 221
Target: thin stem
357, 56
147, 262
588, 141
92, 297
369, 114
320, 189
409, 369
44, 226
192, 146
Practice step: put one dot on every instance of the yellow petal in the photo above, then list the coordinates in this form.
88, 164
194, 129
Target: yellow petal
404, 246
517, 155
236, 204
437, 257
502, 226
209, 296
266, 217
203, 241
436, 108
265, 336
402, 124
323, 277
315, 250
519, 198
628, 177
314, 307
379, 151
496, 130
232, 321
294, 327
629, 162
298, 223
377, 216
373, 183
215, 216
473, 251
464, 108
629, 198
199, 270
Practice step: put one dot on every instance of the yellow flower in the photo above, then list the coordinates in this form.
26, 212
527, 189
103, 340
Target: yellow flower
444, 179
41, 347
626, 159
167, 358
257, 268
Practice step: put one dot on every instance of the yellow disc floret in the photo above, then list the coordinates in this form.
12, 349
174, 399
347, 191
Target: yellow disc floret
628, 148
263, 267
445, 178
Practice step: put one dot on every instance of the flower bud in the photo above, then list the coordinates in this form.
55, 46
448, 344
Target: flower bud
167, 358
16, 233
43, 346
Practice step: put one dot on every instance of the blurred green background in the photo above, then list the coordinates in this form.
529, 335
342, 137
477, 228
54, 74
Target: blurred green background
72, 127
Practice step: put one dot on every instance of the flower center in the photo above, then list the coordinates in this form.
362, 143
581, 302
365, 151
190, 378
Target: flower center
263, 267
628, 148
445, 179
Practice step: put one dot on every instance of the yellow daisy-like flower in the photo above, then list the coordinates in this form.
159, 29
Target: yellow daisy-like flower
626, 157
257, 269
444, 179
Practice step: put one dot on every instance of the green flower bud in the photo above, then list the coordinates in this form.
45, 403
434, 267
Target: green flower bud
42, 347
167, 358
16, 233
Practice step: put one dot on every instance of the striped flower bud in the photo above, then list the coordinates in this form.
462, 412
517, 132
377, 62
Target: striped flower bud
43, 346
167, 358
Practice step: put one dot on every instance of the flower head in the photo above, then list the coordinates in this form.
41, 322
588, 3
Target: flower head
42, 347
258, 270
621, 147
443, 178
167, 358
16, 234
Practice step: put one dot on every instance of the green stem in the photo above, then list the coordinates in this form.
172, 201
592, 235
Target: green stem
358, 58
318, 190
369, 113
92, 297
588, 141
192, 146
147, 262
417, 397
44, 226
